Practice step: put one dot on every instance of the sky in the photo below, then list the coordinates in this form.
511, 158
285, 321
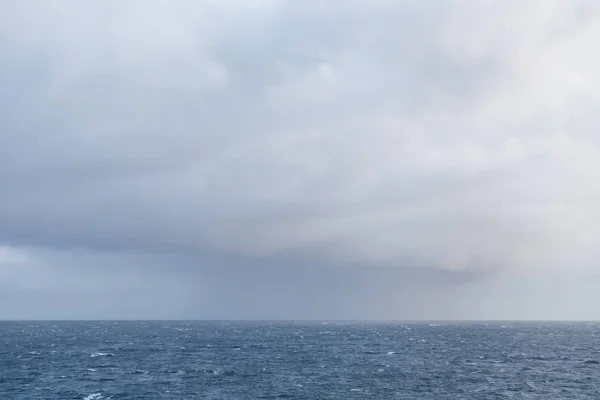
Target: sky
271, 159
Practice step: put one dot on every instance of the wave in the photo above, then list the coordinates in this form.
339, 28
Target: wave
95, 396
140, 372
94, 355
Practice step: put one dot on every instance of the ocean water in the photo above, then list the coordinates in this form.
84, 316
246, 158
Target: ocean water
227, 360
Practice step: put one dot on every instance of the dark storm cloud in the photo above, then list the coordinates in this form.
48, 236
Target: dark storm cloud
360, 144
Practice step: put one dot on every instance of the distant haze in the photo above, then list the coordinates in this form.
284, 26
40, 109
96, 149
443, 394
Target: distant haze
265, 159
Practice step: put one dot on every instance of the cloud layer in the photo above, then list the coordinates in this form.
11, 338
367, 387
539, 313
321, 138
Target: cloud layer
457, 139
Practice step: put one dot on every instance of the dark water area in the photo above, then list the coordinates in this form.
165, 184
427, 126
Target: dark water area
227, 360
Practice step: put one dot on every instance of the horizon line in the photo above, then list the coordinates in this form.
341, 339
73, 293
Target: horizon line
241, 320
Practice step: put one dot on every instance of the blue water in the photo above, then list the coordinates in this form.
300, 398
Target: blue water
226, 360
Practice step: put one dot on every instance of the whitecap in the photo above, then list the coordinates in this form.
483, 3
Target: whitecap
95, 396
140, 372
94, 355
389, 353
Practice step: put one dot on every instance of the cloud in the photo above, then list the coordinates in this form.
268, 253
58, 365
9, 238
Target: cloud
460, 137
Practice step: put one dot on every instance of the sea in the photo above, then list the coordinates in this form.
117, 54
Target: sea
298, 360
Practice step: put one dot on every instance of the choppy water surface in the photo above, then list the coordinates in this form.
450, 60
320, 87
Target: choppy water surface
214, 360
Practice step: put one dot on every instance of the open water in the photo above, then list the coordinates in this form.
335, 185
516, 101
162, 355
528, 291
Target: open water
262, 360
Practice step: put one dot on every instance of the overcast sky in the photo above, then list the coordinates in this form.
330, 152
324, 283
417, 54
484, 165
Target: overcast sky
331, 159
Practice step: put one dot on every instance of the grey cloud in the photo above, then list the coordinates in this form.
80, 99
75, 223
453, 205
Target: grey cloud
455, 140
81, 284
77, 283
